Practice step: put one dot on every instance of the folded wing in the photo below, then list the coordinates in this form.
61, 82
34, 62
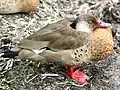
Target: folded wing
59, 35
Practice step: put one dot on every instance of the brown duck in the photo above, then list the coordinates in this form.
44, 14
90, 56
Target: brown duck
15, 6
68, 43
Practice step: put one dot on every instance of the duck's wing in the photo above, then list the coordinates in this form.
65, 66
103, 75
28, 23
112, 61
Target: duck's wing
59, 35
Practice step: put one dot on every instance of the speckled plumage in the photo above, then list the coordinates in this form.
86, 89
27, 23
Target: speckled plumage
68, 44
15, 6
99, 47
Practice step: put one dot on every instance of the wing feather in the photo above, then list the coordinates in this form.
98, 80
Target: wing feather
59, 35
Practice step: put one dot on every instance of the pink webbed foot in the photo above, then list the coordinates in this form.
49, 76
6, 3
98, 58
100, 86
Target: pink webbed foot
75, 73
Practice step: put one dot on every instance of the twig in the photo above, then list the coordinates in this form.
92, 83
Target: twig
49, 75
32, 78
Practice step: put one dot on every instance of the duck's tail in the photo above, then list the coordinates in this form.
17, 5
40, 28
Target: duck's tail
9, 54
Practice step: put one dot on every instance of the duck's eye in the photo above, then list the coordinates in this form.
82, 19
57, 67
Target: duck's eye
90, 21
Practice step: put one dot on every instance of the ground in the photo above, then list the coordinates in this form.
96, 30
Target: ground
17, 74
